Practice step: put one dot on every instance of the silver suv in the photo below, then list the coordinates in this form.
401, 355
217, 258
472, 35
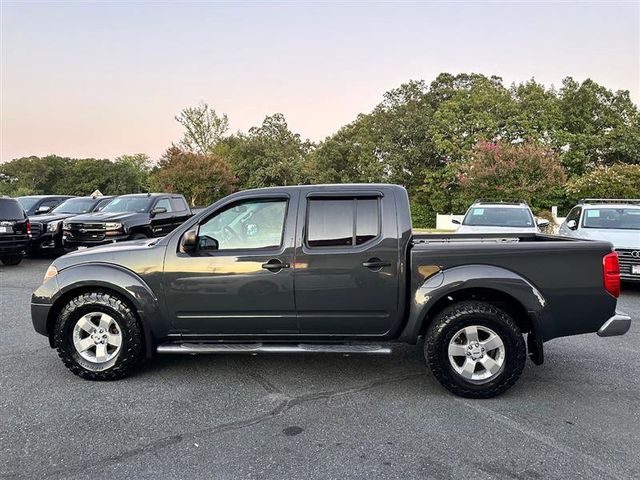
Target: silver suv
616, 221
499, 217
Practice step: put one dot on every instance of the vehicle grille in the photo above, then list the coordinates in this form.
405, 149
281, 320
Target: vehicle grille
628, 257
36, 230
91, 232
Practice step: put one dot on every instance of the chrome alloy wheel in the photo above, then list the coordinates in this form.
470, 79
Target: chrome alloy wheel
477, 354
97, 337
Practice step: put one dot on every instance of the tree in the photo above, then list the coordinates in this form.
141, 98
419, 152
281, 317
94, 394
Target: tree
615, 181
201, 177
130, 174
269, 155
204, 128
526, 172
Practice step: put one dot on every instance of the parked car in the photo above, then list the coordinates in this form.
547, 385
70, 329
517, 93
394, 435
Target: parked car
612, 220
40, 204
14, 231
500, 217
128, 217
332, 268
46, 229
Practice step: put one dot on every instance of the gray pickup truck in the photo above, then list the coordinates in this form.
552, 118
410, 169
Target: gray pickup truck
329, 268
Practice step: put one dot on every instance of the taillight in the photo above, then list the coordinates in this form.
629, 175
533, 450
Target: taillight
611, 274
28, 228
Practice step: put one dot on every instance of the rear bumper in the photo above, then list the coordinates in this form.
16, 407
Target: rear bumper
619, 324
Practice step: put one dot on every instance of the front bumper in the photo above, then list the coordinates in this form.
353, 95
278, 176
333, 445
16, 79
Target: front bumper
47, 241
619, 324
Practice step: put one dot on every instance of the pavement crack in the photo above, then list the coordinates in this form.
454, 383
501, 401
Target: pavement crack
280, 409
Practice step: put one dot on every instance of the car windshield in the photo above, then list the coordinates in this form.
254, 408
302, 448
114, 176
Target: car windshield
129, 204
10, 210
76, 205
28, 202
612, 218
498, 217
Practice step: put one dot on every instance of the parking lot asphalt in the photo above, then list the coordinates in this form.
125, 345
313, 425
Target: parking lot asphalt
313, 416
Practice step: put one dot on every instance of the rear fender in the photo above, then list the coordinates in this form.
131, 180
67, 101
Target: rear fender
477, 277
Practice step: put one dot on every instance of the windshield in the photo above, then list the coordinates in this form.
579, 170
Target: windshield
612, 218
28, 202
10, 209
498, 217
129, 204
76, 205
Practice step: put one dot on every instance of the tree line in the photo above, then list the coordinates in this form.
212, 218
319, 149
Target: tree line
452, 140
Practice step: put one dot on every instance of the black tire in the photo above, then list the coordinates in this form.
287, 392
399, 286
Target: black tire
454, 318
131, 348
11, 260
138, 236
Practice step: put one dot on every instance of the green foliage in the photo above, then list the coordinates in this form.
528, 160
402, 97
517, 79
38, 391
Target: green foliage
499, 171
201, 177
615, 181
203, 128
268, 155
67, 176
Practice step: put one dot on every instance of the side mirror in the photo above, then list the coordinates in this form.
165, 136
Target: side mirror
158, 210
189, 241
572, 224
456, 221
542, 222
207, 243
42, 209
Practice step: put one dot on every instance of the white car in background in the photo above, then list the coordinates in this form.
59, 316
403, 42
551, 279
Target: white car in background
616, 221
499, 217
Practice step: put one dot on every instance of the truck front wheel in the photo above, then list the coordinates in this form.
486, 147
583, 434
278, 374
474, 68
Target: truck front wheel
475, 350
98, 336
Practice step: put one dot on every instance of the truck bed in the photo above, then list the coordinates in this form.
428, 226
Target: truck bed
566, 272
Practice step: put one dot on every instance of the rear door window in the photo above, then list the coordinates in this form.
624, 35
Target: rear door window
342, 222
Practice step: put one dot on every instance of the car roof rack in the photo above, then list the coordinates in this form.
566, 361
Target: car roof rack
619, 201
500, 202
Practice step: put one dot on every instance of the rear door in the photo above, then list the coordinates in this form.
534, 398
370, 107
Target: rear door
347, 263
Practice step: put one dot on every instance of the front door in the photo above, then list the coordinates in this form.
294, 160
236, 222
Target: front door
347, 265
239, 281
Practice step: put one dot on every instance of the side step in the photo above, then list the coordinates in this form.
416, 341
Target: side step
194, 348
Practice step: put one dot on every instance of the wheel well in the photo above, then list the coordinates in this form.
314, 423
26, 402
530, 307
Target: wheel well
502, 300
144, 229
67, 296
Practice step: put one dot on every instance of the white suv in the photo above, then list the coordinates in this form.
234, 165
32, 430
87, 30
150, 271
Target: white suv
499, 217
616, 221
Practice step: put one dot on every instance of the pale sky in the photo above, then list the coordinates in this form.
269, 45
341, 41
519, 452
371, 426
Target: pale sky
99, 79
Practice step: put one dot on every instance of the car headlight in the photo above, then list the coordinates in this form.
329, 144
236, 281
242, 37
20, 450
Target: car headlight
54, 226
65, 225
113, 226
50, 273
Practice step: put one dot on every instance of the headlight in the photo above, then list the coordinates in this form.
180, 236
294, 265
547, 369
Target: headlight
50, 273
65, 225
54, 226
113, 226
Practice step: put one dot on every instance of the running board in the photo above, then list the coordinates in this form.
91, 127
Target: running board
193, 348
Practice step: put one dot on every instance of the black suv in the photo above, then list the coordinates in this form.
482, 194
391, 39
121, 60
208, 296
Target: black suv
39, 204
14, 231
46, 229
128, 217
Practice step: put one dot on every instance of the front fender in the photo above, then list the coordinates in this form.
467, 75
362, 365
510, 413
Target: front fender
467, 277
112, 277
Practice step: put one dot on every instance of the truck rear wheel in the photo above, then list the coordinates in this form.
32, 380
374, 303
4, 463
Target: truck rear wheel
475, 350
98, 337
